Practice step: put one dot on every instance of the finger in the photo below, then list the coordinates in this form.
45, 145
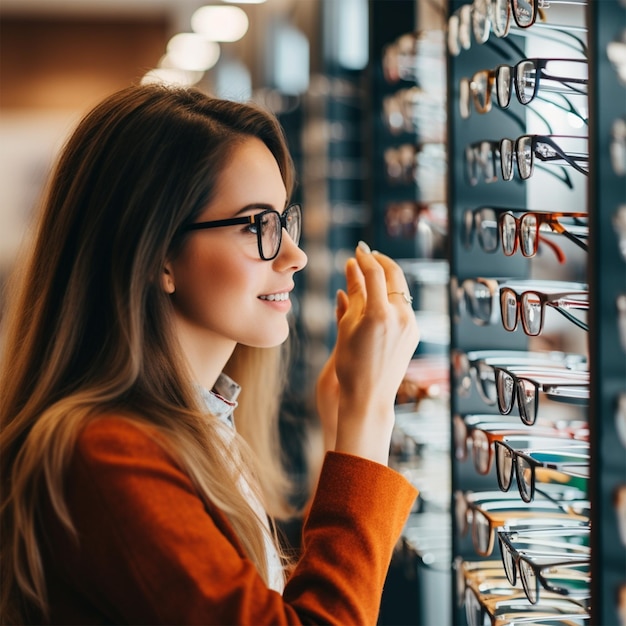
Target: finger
394, 275
374, 278
355, 286
342, 304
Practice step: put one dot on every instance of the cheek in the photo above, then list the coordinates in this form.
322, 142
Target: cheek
210, 284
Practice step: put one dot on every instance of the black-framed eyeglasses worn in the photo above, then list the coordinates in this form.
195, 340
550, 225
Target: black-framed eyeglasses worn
529, 305
268, 226
569, 570
524, 464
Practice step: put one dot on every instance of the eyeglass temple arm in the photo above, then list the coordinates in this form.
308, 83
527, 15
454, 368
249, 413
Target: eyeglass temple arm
559, 228
566, 82
565, 179
580, 47
547, 496
502, 52
569, 108
571, 317
571, 159
558, 251
543, 119
517, 119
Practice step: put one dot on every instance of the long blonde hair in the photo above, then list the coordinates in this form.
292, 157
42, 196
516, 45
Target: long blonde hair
89, 329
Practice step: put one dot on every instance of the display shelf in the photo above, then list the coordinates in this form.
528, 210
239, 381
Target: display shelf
542, 192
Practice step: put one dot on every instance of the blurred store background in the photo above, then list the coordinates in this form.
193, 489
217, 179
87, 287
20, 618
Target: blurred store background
381, 104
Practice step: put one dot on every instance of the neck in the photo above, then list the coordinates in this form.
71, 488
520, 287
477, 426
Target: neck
206, 353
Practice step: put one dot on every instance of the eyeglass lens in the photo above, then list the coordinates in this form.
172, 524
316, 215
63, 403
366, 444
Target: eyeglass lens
508, 462
271, 223
478, 301
500, 17
524, 12
503, 85
530, 308
524, 154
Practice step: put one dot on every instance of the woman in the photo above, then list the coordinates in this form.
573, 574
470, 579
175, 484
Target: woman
160, 273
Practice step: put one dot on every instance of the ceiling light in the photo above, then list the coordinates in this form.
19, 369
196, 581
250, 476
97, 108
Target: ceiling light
220, 23
244, 1
190, 51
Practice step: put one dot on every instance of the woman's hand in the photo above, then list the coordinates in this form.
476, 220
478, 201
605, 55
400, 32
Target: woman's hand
327, 389
376, 337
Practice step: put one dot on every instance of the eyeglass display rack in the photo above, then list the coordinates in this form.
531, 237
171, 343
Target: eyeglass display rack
604, 271
471, 263
607, 278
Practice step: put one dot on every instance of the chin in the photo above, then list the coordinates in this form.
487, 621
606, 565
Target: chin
269, 340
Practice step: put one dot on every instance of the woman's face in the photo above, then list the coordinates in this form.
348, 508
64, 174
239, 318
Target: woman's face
221, 285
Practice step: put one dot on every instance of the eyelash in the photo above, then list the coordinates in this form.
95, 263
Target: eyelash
252, 228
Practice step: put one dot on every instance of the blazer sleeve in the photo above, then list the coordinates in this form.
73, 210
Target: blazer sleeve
149, 551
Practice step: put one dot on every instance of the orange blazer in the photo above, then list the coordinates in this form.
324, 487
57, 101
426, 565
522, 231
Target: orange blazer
150, 552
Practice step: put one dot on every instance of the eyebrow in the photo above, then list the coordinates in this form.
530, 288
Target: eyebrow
262, 206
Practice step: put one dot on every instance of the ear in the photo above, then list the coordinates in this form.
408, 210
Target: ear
167, 279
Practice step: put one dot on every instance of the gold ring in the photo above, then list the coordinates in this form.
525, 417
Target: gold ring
407, 298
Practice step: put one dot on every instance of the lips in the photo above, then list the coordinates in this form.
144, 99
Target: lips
276, 297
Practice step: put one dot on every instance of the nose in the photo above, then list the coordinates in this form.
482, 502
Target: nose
290, 255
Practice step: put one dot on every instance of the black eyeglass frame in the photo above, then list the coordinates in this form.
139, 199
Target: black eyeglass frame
539, 65
506, 546
257, 220
558, 385
536, 5
517, 456
554, 153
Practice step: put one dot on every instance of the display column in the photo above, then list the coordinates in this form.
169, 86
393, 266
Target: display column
607, 202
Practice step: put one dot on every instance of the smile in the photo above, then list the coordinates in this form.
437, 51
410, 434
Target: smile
273, 297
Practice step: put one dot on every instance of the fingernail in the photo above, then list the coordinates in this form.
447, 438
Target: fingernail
364, 247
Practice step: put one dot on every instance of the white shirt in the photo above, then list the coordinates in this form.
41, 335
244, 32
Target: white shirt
221, 402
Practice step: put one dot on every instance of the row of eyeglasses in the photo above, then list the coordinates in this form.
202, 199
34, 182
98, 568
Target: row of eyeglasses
519, 300
501, 17
541, 528
544, 544
539, 518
